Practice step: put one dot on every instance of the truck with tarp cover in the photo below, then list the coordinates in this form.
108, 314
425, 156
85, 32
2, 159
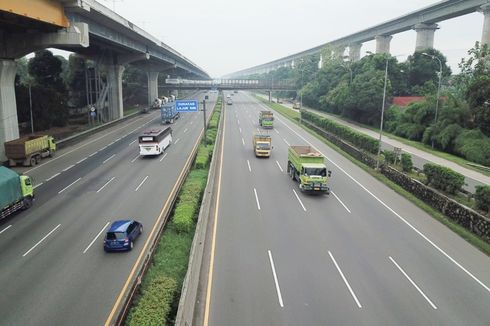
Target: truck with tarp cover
16, 192
307, 166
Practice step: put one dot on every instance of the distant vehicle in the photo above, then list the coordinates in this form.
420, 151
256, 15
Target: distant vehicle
235, 91
16, 192
121, 235
228, 96
266, 119
296, 105
229, 101
29, 150
262, 145
155, 141
279, 101
169, 113
307, 166
171, 98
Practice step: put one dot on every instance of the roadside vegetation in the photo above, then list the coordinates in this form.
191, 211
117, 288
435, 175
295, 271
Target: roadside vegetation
158, 297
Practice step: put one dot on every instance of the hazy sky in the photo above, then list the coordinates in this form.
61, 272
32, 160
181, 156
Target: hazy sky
223, 36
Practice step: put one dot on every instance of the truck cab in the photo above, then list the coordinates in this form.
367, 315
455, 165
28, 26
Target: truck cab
313, 177
262, 145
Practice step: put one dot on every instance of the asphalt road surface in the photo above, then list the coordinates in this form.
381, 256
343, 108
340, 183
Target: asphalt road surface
361, 256
53, 268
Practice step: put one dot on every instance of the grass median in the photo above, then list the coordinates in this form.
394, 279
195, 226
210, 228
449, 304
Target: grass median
158, 297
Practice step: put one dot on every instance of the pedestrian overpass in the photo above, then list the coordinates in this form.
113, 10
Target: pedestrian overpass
230, 84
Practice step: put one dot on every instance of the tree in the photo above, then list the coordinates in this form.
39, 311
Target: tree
422, 68
135, 86
478, 96
75, 80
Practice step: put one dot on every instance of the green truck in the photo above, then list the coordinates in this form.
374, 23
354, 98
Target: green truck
307, 166
16, 192
29, 150
266, 119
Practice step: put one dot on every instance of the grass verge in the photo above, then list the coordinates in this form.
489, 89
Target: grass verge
455, 227
157, 300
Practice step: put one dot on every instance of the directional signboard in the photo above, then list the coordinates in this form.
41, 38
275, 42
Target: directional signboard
186, 106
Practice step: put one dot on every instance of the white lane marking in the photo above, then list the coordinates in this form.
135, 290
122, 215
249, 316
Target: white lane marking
83, 159
102, 148
257, 199
340, 201
238, 121
141, 183
258, 129
249, 168
37, 244
71, 184
163, 157
111, 143
413, 283
8, 227
107, 159
278, 289
279, 165
243, 141
52, 177
37, 185
276, 131
185, 130
118, 139
134, 159
131, 143
297, 197
345, 280
191, 123
92, 154
395, 213
66, 169
98, 234
240, 128
177, 141
286, 142
105, 184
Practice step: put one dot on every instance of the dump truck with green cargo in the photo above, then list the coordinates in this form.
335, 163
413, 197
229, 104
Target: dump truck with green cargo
16, 192
262, 145
307, 166
29, 150
266, 119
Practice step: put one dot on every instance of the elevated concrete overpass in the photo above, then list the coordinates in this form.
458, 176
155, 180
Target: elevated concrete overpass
423, 21
91, 30
230, 84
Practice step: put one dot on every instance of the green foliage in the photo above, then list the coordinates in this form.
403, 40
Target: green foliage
443, 178
482, 198
406, 162
135, 86
183, 219
478, 96
203, 157
423, 69
474, 146
76, 79
155, 304
390, 156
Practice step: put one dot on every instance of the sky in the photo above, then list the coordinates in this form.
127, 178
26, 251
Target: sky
224, 36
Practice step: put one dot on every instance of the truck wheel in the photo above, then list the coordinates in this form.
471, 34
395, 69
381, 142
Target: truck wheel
38, 159
51, 153
27, 203
32, 161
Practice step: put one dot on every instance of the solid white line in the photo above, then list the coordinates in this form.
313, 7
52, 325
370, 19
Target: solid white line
71, 184
163, 157
8, 227
413, 283
185, 130
91, 243
92, 154
103, 148
177, 141
345, 280
54, 176
131, 143
141, 183
111, 143
279, 165
105, 184
37, 244
249, 168
340, 201
257, 199
108, 158
66, 169
281, 303
297, 197
276, 131
37, 185
395, 213
134, 159
83, 159
286, 142
243, 141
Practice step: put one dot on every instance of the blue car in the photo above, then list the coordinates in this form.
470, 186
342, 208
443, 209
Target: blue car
122, 234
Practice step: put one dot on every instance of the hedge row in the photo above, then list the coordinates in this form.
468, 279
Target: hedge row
482, 198
357, 139
443, 178
160, 291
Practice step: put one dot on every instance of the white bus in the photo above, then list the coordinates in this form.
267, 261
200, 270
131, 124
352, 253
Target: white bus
155, 141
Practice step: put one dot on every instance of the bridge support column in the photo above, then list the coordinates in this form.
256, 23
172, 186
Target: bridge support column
355, 52
485, 38
152, 86
9, 128
425, 36
114, 80
383, 43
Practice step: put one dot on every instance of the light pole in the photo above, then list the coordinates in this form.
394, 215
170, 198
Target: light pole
382, 115
438, 87
30, 109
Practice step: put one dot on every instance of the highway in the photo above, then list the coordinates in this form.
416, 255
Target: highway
53, 269
363, 255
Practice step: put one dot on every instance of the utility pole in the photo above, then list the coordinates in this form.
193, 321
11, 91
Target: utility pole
204, 117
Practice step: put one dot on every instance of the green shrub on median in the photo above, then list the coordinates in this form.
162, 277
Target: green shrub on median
482, 198
443, 178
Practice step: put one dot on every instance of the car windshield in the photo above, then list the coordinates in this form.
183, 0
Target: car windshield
316, 171
263, 146
115, 235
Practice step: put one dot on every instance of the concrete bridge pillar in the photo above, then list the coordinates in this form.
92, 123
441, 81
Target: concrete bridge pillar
114, 82
9, 128
383, 43
355, 52
425, 36
485, 38
152, 86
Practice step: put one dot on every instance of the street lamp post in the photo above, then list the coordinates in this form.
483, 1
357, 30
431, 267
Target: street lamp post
30, 109
438, 86
382, 115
